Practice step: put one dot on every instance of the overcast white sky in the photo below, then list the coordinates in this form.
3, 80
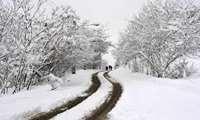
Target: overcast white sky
112, 13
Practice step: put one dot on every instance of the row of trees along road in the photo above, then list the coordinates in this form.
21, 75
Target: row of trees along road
160, 38
34, 43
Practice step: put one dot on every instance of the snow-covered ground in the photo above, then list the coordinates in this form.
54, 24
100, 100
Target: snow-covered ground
149, 98
87, 106
143, 98
42, 98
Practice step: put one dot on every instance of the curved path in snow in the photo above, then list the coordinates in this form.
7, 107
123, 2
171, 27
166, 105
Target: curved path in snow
101, 113
70, 104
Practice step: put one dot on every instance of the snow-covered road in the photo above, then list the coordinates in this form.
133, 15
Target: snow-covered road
88, 106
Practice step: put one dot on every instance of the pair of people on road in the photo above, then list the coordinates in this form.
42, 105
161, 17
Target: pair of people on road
109, 68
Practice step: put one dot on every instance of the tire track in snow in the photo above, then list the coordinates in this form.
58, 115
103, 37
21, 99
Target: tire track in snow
70, 104
101, 113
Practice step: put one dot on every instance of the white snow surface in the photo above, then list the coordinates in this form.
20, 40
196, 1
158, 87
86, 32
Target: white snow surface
85, 108
42, 98
149, 98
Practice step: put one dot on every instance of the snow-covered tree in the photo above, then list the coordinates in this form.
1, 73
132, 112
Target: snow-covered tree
160, 37
35, 43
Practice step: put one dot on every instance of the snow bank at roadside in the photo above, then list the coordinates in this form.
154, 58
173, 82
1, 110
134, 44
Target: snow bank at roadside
91, 103
149, 98
41, 98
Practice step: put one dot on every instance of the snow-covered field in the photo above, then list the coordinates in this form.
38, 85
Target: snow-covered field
42, 98
90, 104
149, 98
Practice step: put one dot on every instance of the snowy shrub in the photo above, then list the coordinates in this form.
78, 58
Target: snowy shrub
190, 69
54, 81
177, 70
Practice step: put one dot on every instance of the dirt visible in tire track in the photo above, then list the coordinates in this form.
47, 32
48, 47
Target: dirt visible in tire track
102, 112
70, 104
